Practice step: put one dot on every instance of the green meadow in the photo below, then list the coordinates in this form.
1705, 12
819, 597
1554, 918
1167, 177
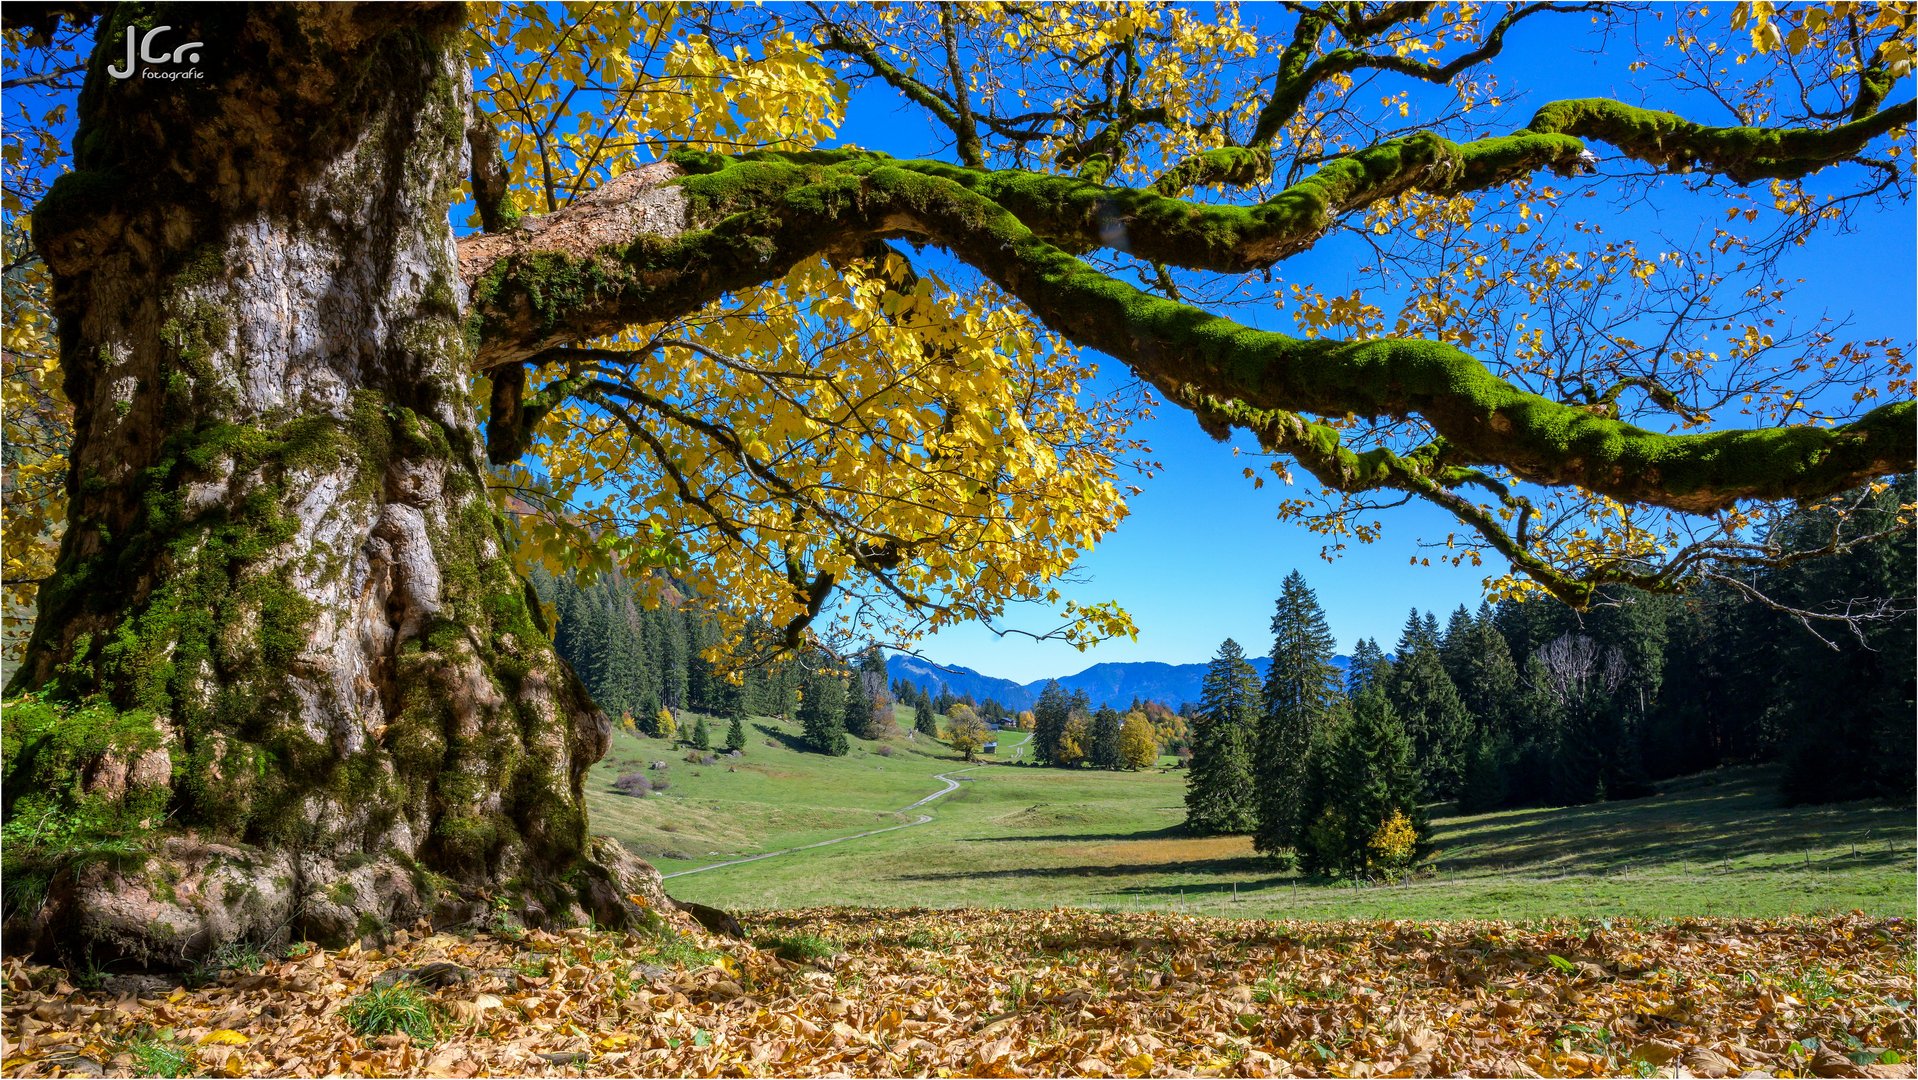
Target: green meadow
1015, 835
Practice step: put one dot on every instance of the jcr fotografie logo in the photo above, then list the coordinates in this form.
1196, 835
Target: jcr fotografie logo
152, 63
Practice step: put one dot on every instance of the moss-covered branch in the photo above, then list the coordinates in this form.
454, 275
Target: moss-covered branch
1743, 154
761, 217
1079, 214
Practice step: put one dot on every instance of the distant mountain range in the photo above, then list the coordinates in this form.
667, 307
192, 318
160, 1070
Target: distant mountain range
1106, 684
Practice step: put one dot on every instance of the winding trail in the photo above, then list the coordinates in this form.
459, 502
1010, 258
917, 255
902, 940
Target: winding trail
951, 780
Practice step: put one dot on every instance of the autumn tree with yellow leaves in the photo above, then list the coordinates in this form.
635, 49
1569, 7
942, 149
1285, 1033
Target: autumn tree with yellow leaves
321, 421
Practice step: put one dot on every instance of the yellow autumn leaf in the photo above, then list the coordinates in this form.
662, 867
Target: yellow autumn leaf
222, 1037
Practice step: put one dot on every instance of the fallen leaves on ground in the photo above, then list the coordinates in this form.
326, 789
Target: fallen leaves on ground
1014, 993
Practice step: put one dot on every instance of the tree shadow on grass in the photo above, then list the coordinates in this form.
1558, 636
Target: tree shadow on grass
1169, 832
1192, 866
1703, 824
783, 738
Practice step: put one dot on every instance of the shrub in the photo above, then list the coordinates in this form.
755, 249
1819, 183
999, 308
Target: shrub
660, 783
883, 751
634, 784
1393, 844
396, 1009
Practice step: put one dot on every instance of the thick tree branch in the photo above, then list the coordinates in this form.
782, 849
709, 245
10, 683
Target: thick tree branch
750, 220
1743, 154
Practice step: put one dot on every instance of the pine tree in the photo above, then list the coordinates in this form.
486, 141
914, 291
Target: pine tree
1363, 776
1430, 708
702, 735
1219, 794
857, 718
736, 734
1049, 718
1452, 645
1105, 739
822, 709
1368, 667
924, 722
1301, 691
1482, 670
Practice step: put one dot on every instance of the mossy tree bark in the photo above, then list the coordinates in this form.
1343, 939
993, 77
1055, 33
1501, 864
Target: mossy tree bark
283, 635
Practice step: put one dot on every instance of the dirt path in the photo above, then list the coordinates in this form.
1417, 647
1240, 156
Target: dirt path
951, 781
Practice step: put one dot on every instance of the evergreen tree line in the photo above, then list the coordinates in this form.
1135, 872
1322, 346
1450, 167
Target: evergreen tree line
1067, 732
644, 666
1533, 703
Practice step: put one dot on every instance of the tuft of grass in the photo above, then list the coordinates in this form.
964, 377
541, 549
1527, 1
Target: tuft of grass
681, 950
232, 956
801, 948
153, 1056
396, 1009
1811, 986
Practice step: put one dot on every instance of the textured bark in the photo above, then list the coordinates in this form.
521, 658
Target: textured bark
282, 572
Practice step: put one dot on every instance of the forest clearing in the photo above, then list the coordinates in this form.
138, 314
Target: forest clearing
1718, 843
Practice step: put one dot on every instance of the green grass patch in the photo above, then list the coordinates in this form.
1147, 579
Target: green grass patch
801, 948
1721, 843
390, 1010
154, 1056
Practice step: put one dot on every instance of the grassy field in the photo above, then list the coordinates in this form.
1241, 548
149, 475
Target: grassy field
1019, 836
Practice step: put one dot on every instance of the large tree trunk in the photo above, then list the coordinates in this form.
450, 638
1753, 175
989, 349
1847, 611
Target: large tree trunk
283, 634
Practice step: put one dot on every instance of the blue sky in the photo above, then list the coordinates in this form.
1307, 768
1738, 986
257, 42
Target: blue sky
1202, 555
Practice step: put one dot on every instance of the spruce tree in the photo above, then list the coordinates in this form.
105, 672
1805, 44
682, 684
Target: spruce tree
1049, 718
857, 718
1453, 643
1219, 794
1363, 774
736, 734
1105, 739
1368, 667
1429, 706
702, 735
1482, 670
1301, 691
822, 708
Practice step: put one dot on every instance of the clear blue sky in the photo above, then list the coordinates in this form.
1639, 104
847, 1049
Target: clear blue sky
1202, 555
